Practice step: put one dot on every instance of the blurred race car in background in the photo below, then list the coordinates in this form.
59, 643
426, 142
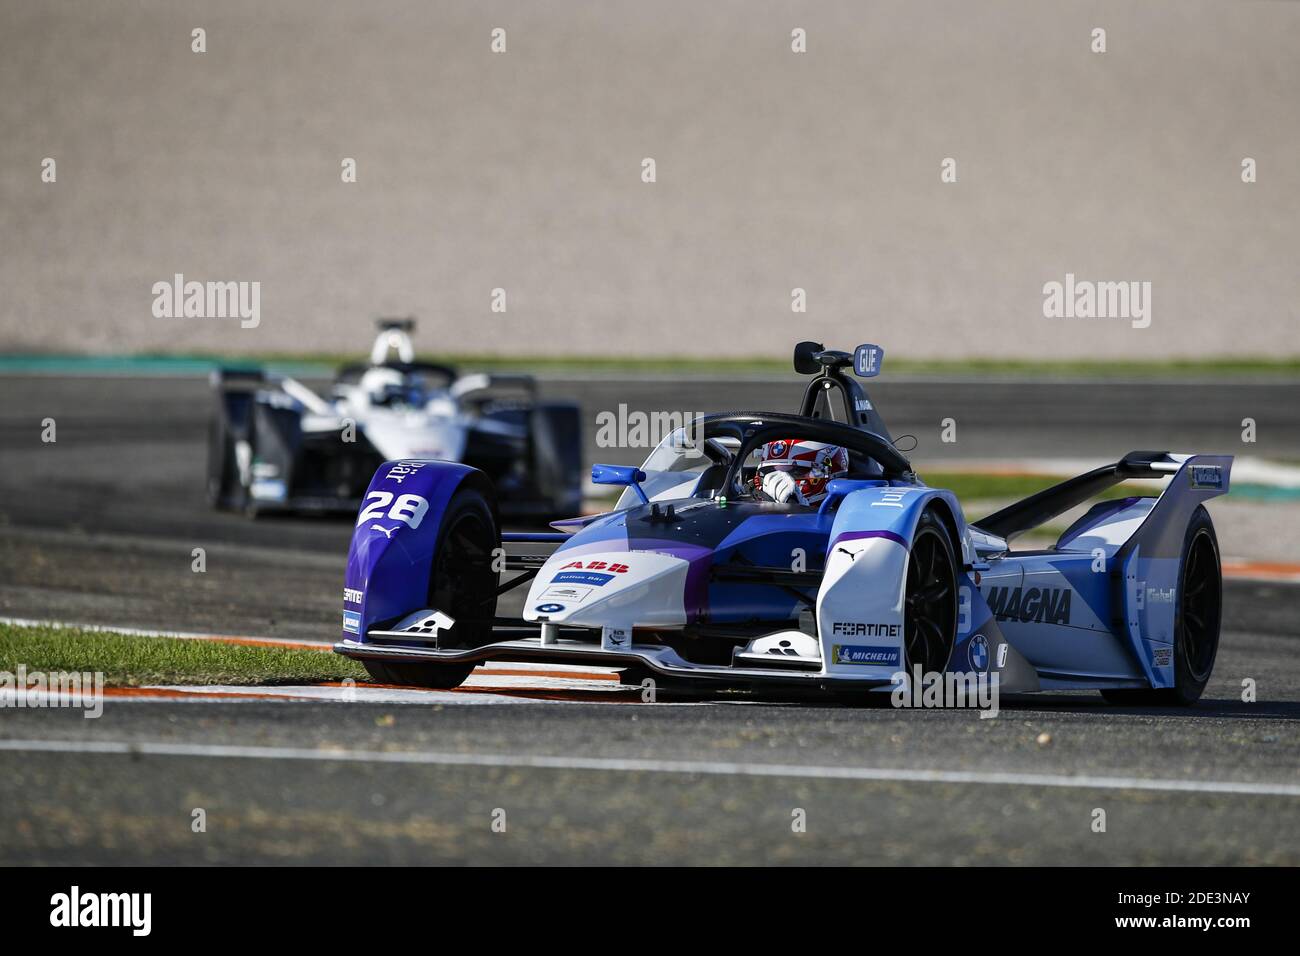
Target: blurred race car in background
276, 445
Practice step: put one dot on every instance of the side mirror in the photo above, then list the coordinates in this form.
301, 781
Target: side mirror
804, 363
627, 475
867, 360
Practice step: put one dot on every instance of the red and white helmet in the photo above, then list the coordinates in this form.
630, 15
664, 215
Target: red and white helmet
810, 463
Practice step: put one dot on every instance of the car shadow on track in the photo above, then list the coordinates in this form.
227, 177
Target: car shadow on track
1055, 703
1286, 710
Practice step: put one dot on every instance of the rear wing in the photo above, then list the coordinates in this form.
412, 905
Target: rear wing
236, 379
228, 381
394, 336
1142, 540
1047, 504
474, 387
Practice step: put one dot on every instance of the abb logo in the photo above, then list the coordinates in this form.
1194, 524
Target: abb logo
596, 566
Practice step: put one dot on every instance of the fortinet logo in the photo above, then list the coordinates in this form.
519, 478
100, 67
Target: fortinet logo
73, 909
864, 629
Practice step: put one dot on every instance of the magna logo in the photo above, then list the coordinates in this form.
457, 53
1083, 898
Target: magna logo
1030, 605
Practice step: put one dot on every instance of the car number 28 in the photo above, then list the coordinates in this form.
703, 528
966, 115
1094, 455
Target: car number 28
408, 509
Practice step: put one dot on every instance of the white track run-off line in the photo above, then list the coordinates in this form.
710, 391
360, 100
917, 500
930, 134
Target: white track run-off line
636, 765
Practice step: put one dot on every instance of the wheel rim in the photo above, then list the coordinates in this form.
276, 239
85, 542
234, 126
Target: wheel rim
930, 603
463, 581
1198, 617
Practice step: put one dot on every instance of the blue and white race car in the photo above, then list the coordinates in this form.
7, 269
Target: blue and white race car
275, 445
757, 548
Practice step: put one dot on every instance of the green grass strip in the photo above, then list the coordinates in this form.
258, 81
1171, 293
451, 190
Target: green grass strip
129, 661
716, 366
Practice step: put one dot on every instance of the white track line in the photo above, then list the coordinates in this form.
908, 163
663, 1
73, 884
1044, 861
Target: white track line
635, 765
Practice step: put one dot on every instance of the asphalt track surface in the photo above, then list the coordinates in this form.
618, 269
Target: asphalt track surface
98, 527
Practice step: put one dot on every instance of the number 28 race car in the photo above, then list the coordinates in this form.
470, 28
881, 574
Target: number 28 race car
275, 445
701, 574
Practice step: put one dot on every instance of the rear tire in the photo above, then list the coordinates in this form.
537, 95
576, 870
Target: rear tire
462, 584
1196, 623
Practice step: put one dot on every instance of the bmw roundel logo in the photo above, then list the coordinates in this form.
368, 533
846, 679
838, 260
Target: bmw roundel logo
978, 652
778, 449
548, 608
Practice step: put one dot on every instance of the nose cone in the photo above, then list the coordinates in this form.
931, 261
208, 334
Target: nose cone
644, 588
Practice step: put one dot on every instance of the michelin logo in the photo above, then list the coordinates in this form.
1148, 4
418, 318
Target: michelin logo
864, 654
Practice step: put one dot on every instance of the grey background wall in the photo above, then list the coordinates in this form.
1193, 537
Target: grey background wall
775, 170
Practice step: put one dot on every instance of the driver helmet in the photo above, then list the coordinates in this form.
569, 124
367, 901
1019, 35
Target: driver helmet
388, 386
812, 464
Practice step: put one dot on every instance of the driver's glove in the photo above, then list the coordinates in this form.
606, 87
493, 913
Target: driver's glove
780, 487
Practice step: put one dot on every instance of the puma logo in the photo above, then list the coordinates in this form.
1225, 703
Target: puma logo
387, 531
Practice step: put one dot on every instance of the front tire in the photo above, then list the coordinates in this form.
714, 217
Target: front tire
1196, 623
225, 490
930, 599
462, 584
